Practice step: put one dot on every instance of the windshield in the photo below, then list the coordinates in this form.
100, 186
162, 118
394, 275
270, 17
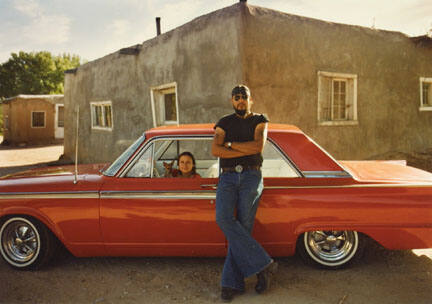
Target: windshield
118, 163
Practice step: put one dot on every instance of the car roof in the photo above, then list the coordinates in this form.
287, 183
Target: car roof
206, 129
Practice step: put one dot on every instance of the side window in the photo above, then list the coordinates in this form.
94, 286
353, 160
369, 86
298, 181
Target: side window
275, 164
167, 150
142, 167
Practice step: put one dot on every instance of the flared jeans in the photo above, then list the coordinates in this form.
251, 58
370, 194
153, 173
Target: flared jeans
237, 200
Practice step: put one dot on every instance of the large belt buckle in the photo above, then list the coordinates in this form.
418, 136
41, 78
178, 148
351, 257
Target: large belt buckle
238, 168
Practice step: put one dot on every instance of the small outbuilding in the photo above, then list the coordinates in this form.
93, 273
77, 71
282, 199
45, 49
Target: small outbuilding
33, 119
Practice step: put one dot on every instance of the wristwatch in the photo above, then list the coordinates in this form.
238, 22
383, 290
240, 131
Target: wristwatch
229, 144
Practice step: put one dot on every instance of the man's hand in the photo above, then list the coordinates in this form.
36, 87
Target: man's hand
239, 149
255, 146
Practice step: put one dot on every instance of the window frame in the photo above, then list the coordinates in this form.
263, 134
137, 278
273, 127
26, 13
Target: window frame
422, 106
57, 116
151, 144
103, 105
31, 118
337, 77
163, 90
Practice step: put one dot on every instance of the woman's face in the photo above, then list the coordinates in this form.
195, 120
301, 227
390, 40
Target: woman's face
185, 164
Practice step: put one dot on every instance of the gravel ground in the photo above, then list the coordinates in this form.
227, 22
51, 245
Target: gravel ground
382, 276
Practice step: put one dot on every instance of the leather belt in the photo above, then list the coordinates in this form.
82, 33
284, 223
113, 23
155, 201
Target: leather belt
240, 168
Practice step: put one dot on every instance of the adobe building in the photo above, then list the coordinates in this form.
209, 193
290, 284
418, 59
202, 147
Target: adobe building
33, 119
359, 92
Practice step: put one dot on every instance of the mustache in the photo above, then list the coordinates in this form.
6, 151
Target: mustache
240, 112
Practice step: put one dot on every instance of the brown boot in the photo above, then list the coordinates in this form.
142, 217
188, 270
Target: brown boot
265, 277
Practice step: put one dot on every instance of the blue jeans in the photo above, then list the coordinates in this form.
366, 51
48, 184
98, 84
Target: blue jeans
240, 192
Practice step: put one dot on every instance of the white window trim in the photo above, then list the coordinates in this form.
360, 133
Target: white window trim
167, 87
422, 107
6, 122
31, 118
343, 76
101, 103
57, 106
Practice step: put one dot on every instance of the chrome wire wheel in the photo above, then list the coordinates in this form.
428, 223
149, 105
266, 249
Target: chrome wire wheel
20, 242
331, 248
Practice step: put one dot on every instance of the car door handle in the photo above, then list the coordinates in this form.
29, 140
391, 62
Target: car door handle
213, 186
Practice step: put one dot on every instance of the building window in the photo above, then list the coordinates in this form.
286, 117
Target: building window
101, 115
60, 116
425, 94
164, 104
6, 123
38, 119
337, 99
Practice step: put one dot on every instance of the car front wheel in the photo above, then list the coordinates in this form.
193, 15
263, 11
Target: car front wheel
25, 243
330, 249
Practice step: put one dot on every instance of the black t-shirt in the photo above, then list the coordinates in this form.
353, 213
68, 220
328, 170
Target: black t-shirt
241, 130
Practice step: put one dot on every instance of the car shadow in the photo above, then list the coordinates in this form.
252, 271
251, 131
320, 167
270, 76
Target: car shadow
382, 276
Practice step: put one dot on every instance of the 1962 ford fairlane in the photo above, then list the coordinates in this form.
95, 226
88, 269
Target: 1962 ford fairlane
312, 204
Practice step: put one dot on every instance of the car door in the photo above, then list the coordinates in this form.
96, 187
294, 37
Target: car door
275, 216
145, 214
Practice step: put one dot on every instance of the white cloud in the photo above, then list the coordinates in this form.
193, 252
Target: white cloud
41, 27
30, 8
120, 27
48, 29
96, 28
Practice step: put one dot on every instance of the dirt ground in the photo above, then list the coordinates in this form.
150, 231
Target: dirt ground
382, 276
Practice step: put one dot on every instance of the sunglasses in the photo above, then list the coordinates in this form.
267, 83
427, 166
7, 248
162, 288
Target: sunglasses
242, 96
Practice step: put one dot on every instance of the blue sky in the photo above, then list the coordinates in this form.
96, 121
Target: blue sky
95, 28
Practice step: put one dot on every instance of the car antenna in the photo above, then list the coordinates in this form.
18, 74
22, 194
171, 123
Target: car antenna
76, 147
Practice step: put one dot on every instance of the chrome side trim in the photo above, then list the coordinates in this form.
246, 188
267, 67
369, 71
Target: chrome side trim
325, 174
158, 195
49, 195
353, 186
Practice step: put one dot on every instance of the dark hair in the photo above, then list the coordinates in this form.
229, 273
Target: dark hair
240, 89
193, 161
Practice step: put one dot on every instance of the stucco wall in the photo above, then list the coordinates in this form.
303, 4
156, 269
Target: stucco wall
283, 54
202, 57
19, 115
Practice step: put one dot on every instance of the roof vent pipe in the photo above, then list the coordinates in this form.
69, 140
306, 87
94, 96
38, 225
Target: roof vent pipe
158, 30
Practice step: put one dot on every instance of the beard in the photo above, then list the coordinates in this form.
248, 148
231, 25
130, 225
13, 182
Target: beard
240, 112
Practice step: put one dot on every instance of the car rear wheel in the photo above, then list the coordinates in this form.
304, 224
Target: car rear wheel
330, 249
25, 243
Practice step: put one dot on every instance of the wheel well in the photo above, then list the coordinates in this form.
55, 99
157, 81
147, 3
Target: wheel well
31, 218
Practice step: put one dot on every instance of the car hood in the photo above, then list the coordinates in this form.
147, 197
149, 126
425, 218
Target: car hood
53, 179
56, 171
386, 171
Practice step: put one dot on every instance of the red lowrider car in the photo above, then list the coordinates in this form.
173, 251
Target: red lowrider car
313, 204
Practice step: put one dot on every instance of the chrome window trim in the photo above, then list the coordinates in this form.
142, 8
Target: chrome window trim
326, 174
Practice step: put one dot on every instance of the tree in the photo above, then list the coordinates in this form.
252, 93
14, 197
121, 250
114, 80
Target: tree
35, 73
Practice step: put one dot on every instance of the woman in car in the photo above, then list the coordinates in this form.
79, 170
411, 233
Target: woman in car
186, 167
